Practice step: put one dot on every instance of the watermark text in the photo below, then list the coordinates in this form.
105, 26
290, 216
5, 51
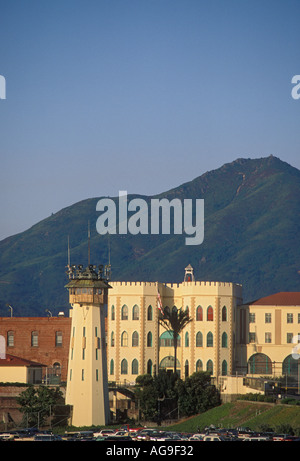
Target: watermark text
296, 88
135, 217
2, 87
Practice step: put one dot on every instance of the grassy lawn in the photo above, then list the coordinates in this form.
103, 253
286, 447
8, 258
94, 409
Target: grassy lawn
237, 414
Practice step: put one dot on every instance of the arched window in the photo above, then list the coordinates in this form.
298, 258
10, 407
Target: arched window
199, 365
149, 339
224, 314
124, 313
210, 366
224, 368
210, 314
56, 368
199, 314
149, 367
135, 339
186, 368
209, 339
166, 339
135, 312
124, 339
150, 313
168, 362
124, 367
167, 310
112, 339
112, 367
186, 339
260, 364
135, 367
290, 366
224, 339
199, 339
112, 312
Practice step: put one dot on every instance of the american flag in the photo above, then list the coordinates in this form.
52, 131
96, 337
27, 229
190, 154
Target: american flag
159, 303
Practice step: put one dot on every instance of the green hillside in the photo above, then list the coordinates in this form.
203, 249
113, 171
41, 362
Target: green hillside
252, 225
244, 414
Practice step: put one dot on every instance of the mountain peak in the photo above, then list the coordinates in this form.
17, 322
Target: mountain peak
250, 237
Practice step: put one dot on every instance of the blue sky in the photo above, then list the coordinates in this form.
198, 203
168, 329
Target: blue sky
139, 95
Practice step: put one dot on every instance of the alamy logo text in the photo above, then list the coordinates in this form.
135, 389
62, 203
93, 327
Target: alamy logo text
135, 217
2, 87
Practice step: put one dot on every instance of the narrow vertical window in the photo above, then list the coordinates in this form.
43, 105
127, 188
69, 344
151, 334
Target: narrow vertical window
34, 339
10, 339
124, 313
135, 312
150, 313
58, 339
224, 314
199, 314
210, 314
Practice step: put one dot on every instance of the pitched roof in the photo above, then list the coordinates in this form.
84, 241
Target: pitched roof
13, 361
284, 298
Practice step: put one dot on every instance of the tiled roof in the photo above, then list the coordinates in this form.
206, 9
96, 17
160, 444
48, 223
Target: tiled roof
284, 298
13, 361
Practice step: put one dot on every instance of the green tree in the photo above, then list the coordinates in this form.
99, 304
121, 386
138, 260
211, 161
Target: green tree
197, 394
174, 321
157, 395
36, 403
147, 396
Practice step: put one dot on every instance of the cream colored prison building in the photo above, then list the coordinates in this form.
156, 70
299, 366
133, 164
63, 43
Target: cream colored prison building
138, 345
269, 335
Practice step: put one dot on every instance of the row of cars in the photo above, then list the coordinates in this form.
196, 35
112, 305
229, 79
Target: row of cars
210, 434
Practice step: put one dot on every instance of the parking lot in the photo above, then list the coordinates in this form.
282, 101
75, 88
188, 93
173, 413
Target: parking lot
148, 434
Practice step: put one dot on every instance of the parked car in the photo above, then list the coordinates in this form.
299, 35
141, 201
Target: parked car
104, 433
213, 438
47, 438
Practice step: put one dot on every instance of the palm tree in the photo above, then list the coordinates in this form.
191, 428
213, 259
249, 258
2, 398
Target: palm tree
174, 321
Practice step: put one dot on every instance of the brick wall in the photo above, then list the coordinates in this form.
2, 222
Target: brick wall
46, 351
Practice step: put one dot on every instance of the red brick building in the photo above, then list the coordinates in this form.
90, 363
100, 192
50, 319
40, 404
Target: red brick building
39, 339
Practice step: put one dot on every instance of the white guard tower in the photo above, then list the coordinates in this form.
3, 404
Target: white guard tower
87, 386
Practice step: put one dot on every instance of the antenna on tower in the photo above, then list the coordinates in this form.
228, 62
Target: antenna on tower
89, 244
69, 263
69, 271
108, 266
